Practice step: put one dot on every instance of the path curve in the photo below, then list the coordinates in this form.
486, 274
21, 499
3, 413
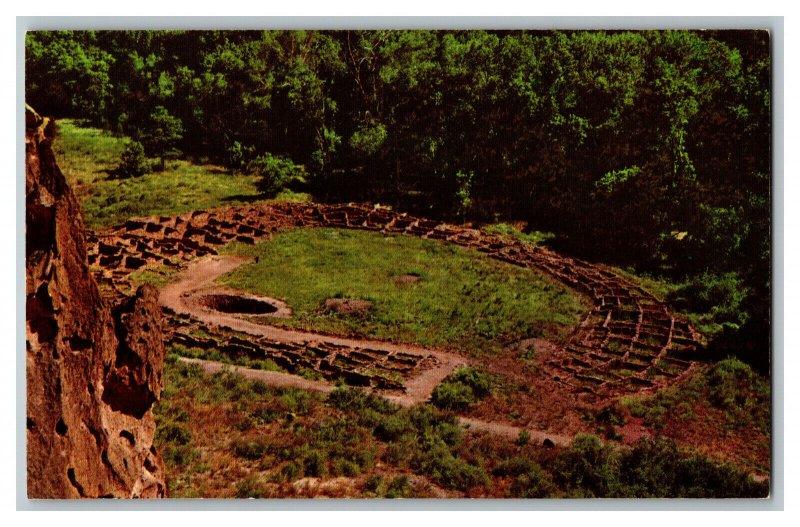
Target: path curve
183, 297
286, 380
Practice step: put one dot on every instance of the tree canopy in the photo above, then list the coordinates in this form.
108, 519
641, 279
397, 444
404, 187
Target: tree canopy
645, 148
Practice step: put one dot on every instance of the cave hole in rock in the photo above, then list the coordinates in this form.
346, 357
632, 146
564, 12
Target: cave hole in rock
61, 427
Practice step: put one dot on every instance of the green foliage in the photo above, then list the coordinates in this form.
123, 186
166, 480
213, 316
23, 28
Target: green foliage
250, 487
736, 387
615, 178
356, 431
461, 389
649, 469
588, 466
368, 139
132, 162
533, 237
529, 480
275, 173
729, 385
173, 433
85, 154
249, 449
646, 148
160, 135
452, 472
718, 299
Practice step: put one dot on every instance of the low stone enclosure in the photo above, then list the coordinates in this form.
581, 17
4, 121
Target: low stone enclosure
628, 342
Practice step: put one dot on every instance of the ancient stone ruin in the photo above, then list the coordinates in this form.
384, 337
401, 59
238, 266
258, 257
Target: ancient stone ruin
628, 342
93, 368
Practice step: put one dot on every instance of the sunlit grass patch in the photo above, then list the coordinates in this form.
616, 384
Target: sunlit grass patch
463, 299
87, 156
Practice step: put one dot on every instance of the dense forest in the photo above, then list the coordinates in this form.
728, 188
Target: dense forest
642, 149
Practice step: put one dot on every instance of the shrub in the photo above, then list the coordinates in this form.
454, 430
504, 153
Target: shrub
392, 428
275, 173
291, 471
452, 396
161, 134
237, 155
173, 433
461, 389
398, 488
587, 467
374, 485
528, 478
250, 487
178, 456
453, 472
523, 438
732, 383
656, 468
249, 449
316, 464
367, 139
357, 401
719, 297
650, 469
345, 467
132, 161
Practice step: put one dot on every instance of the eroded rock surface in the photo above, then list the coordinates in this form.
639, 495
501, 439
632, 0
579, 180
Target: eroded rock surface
93, 370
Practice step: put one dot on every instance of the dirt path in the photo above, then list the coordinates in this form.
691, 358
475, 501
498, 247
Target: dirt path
183, 297
272, 378
286, 380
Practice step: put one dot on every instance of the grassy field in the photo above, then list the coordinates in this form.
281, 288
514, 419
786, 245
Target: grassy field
88, 155
463, 299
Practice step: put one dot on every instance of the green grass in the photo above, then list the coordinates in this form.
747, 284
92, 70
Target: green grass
214, 355
463, 300
731, 386
87, 155
508, 229
158, 276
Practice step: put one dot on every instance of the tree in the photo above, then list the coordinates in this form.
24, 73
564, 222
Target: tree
133, 162
161, 136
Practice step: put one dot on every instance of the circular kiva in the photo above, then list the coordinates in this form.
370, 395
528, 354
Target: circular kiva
628, 342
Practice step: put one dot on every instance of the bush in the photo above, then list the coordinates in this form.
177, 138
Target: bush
161, 134
132, 162
717, 297
736, 388
650, 469
173, 433
251, 487
453, 472
528, 478
237, 154
275, 173
461, 389
179, 456
392, 428
398, 488
290, 471
316, 464
587, 467
249, 449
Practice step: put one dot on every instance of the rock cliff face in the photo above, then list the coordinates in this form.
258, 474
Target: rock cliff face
93, 370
